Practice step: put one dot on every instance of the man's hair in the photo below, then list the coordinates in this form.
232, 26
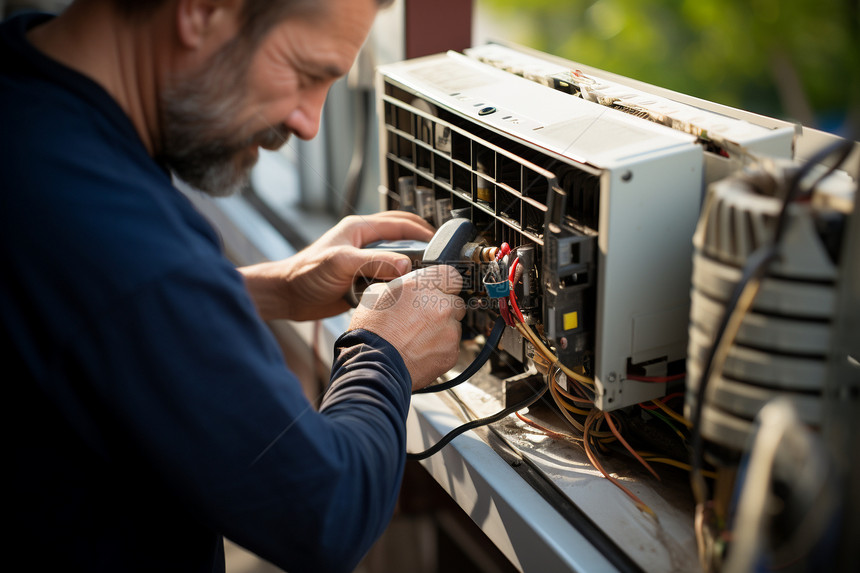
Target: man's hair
258, 16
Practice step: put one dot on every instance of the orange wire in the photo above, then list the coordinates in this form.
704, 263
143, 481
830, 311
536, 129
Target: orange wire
589, 418
627, 446
593, 459
551, 433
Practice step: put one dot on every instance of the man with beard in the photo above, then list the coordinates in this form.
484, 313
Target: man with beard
154, 410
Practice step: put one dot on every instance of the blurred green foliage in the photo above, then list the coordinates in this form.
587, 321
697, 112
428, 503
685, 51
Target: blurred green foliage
793, 59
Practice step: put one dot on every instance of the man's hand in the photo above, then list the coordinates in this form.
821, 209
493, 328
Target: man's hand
419, 314
312, 284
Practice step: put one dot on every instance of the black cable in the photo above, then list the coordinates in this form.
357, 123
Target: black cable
756, 266
481, 359
476, 424
843, 156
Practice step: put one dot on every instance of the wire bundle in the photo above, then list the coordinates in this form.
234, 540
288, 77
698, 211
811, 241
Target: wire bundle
576, 400
579, 400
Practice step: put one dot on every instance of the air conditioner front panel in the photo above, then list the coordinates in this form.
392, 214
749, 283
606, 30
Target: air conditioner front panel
585, 183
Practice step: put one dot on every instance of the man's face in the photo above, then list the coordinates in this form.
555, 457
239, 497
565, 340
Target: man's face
215, 119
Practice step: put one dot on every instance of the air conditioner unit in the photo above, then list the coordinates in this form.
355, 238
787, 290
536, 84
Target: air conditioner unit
597, 179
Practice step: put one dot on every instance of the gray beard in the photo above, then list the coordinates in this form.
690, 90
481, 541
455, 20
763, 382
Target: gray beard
200, 144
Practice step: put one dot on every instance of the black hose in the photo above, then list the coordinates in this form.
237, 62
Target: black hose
476, 424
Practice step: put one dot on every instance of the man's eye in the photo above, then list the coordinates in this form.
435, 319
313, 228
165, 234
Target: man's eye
313, 80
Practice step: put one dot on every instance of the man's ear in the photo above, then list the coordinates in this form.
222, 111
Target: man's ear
207, 24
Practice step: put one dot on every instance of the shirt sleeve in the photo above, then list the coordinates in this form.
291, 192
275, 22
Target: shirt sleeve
187, 386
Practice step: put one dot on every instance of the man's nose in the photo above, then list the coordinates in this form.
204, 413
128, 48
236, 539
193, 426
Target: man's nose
304, 121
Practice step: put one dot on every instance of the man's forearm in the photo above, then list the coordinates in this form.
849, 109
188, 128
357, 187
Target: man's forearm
268, 290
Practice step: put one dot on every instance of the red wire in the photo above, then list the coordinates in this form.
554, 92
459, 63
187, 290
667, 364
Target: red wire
506, 314
504, 249
513, 270
513, 296
516, 308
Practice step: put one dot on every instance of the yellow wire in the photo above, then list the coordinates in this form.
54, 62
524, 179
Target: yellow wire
680, 434
721, 352
565, 408
672, 413
526, 331
677, 464
573, 409
627, 446
553, 389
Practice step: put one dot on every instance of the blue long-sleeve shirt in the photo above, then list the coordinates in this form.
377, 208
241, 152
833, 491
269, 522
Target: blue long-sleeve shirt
152, 410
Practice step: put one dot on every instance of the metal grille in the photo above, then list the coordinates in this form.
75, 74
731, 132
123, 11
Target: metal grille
503, 185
